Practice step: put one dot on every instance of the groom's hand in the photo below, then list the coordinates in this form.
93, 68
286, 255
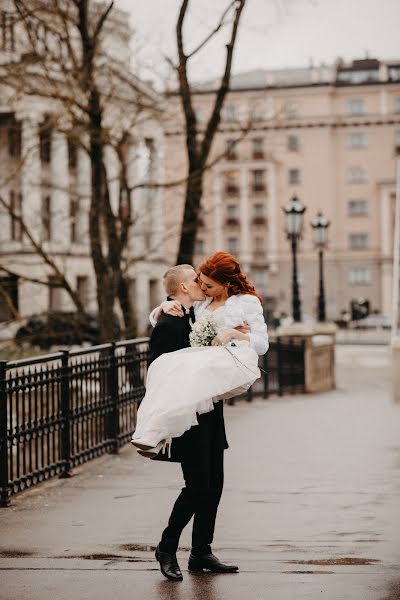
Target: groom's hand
245, 328
172, 307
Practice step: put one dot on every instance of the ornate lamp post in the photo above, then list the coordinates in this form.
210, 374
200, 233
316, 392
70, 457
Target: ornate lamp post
320, 231
294, 211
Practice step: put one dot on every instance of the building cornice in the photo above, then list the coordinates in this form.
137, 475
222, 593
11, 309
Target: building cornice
370, 121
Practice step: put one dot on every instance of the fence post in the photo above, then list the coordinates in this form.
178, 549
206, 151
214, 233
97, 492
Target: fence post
266, 375
280, 365
65, 415
113, 418
4, 487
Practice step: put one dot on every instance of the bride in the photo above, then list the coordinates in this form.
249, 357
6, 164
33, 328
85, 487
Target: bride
182, 384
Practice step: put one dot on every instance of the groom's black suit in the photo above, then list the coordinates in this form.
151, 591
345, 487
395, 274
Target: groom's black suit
199, 450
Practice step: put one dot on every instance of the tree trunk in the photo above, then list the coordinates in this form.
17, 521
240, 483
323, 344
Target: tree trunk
194, 190
127, 309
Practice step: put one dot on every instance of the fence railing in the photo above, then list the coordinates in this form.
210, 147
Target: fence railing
62, 409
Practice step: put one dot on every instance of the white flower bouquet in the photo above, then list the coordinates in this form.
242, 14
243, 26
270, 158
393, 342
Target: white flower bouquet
203, 331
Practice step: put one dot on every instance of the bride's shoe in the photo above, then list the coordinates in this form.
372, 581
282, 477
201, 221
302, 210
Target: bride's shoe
151, 451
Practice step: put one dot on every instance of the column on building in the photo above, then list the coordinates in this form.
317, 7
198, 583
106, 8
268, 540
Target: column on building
136, 169
31, 175
386, 250
142, 301
218, 210
272, 219
157, 199
59, 193
113, 172
83, 191
244, 211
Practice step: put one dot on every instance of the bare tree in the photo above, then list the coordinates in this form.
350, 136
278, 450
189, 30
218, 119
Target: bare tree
198, 146
95, 102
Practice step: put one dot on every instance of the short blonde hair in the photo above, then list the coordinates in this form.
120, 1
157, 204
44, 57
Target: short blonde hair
174, 277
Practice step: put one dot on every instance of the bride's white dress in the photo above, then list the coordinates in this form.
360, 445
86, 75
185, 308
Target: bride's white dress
188, 382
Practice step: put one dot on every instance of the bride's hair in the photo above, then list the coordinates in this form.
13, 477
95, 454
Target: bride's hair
225, 269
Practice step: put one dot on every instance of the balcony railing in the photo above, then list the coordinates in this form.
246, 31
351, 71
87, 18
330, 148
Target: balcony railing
258, 154
232, 222
258, 187
232, 190
259, 220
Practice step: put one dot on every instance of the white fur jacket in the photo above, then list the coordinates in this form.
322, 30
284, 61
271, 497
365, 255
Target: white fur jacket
240, 308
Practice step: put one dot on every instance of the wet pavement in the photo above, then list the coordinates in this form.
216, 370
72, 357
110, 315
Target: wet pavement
310, 509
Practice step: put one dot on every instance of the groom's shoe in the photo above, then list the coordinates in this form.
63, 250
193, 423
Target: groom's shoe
169, 565
207, 562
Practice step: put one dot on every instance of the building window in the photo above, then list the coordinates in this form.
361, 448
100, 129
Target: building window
231, 183
291, 109
199, 114
233, 245
46, 219
200, 247
256, 113
230, 149
7, 39
356, 106
294, 176
293, 142
356, 175
82, 289
258, 148
232, 211
73, 219
230, 112
72, 154
258, 210
357, 208
360, 276
357, 77
16, 211
45, 141
259, 245
260, 279
14, 139
397, 138
394, 73
258, 180
358, 241
357, 139
397, 104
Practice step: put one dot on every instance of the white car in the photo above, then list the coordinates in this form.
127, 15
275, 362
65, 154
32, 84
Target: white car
374, 321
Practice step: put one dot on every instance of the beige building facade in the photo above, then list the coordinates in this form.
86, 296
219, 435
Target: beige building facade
328, 136
46, 179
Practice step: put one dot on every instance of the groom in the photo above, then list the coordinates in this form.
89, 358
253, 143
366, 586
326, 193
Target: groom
199, 450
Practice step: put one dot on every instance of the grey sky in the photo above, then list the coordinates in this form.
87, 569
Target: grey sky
274, 33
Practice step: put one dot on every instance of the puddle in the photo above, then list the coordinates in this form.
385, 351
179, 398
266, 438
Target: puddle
309, 572
146, 548
102, 556
347, 560
14, 553
393, 592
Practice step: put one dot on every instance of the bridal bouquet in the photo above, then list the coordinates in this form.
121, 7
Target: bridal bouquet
203, 331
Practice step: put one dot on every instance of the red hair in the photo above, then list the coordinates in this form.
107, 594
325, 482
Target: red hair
223, 268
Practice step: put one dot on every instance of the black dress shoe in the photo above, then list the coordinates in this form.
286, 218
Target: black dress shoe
209, 563
169, 565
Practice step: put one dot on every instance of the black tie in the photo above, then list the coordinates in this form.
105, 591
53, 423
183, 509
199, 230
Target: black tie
191, 314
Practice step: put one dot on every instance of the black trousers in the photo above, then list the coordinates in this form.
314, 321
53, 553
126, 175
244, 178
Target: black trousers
203, 472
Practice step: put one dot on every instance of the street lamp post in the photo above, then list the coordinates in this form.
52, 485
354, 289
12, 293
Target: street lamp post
320, 231
294, 212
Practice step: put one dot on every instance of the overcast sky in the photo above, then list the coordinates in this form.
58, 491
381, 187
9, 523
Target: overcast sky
273, 34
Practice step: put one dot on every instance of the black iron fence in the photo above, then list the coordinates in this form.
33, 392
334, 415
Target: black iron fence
62, 409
